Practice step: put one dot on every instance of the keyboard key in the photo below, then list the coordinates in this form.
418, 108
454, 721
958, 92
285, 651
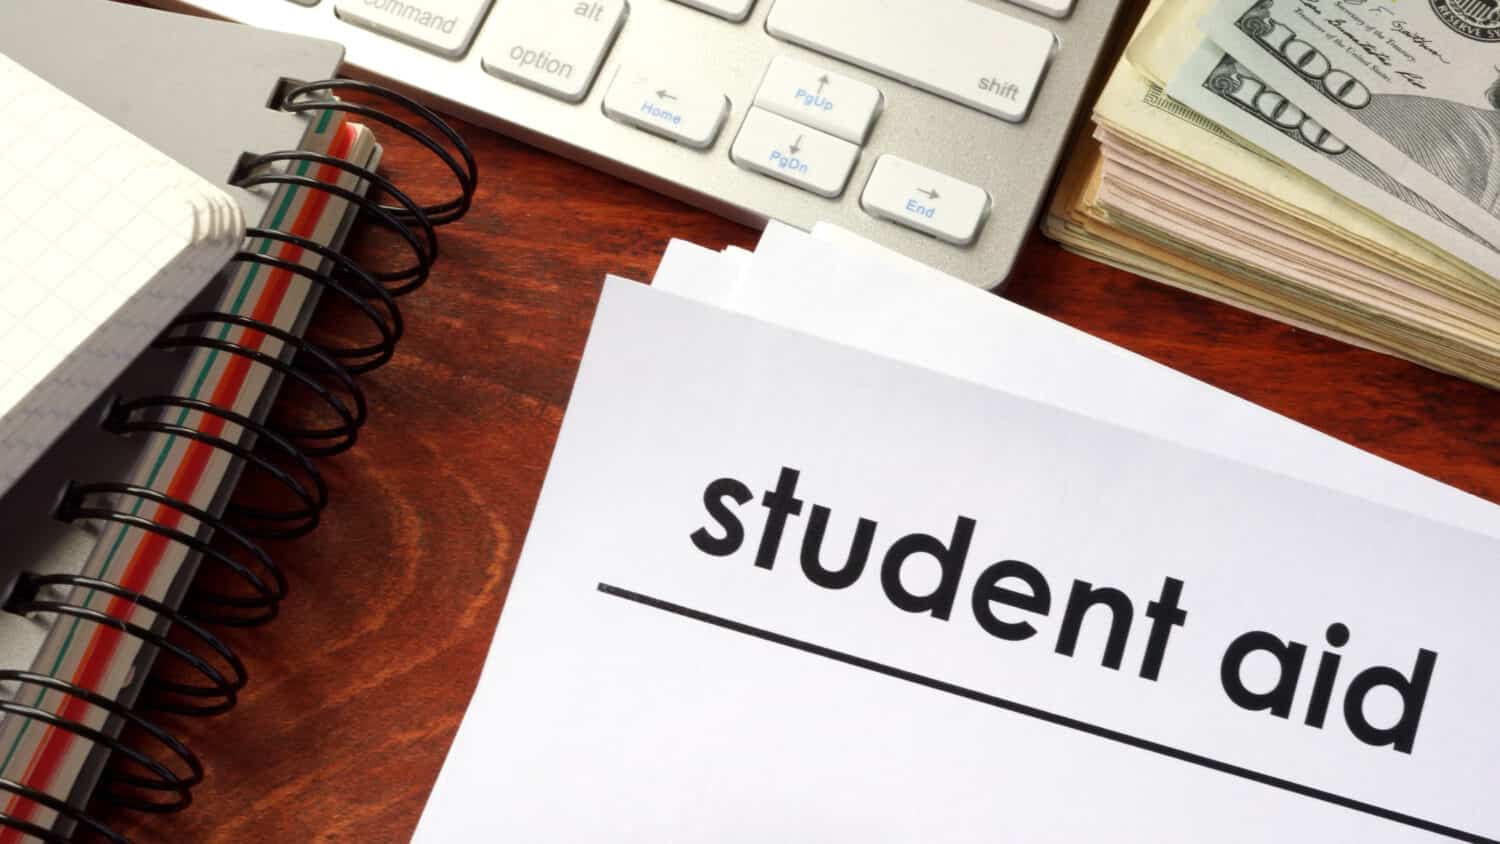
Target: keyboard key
954, 48
554, 46
734, 10
826, 101
1051, 8
925, 200
786, 150
685, 112
445, 27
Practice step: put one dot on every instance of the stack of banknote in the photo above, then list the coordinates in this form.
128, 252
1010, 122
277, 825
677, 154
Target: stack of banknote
1331, 163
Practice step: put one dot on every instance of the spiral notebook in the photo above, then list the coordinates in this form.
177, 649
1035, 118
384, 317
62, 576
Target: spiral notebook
102, 240
129, 526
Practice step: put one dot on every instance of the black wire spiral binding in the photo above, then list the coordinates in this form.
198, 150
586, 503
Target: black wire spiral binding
354, 359
131, 417
365, 293
61, 807
266, 581
283, 453
251, 174
318, 442
119, 787
221, 687
300, 98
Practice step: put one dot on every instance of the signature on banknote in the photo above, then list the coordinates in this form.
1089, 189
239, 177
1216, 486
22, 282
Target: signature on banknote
1420, 41
1475, 19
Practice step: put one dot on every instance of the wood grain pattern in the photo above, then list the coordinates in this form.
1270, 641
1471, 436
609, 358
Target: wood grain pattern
357, 689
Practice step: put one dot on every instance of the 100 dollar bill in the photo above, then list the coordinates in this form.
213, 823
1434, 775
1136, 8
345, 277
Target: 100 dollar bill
1411, 84
1217, 86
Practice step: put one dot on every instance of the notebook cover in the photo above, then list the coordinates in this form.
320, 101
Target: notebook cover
196, 89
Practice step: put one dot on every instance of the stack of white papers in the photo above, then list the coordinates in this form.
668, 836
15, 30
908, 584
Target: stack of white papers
835, 285
848, 551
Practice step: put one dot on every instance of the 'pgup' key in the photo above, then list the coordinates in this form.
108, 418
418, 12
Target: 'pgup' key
830, 102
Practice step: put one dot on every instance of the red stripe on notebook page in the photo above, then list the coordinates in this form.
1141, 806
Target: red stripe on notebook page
143, 564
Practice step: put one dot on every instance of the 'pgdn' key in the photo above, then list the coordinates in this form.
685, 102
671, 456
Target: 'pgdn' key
784, 162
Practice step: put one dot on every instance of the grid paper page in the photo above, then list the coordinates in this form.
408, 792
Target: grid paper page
103, 239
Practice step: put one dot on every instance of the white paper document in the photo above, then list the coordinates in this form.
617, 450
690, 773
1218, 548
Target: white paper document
779, 589
836, 285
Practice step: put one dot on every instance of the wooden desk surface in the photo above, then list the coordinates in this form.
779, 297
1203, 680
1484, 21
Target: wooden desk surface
357, 689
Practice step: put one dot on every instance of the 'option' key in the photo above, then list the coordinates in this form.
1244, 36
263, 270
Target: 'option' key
554, 47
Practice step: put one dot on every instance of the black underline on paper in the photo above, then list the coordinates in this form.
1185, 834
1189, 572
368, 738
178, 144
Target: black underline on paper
1044, 715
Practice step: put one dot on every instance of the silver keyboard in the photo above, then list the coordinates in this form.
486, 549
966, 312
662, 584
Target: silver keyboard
931, 126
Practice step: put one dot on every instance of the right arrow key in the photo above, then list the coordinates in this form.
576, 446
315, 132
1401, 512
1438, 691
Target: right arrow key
923, 199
